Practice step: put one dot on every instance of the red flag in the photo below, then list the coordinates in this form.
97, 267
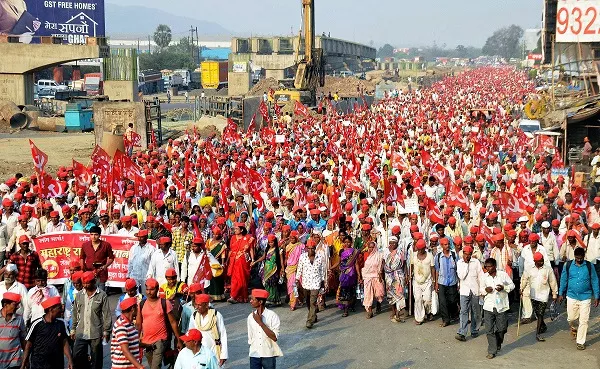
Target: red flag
480, 151
435, 214
557, 161
117, 187
509, 204
251, 126
334, 203
40, 159
271, 94
225, 193
398, 162
240, 181
300, 109
580, 199
320, 107
49, 187
142, 187
426, 159
82, 175
100, 162
232, 137
277, 109
264, 111
215, 170
268, 135
231, 126
204, 272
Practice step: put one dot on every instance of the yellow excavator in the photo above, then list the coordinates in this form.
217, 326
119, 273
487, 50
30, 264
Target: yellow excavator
310, 71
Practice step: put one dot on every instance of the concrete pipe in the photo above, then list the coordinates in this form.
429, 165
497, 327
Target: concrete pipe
52, 124
33, 113
11, 113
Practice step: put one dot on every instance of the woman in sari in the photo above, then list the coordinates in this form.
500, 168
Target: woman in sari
349, 276
261, 247
218, 248
271, 270
372, 274
334, 242
293, 250
395, 276
241, 253
303, 234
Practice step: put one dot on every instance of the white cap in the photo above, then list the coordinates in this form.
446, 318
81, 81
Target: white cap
523, 219
393, 239
545, 224
4, 187
11, 268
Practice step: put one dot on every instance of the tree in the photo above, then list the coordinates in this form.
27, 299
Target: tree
504, 42
162, 36
461, 51
386, 51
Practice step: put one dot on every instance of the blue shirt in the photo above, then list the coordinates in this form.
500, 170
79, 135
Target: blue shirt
321, 223
78, 227
446, 269
186, 314
579, 286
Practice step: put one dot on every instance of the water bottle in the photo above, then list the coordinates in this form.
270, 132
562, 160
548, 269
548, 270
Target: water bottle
296, 291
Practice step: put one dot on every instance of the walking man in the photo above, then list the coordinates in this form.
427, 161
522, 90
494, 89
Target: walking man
195, 355
469, 274
12, 331
263, 332
311, 269
156, 323
47, 343
125, 352
92, 321
446, 282
139, 259
579, 283
211, 325
162, 259
495, 287
96, 256
540, 281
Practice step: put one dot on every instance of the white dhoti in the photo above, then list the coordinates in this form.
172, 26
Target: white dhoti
422, 295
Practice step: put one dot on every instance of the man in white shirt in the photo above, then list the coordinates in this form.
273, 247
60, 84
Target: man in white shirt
495, 287
9, 217
212, 326
38, 294
140, 255
263, 332
195, 354
539, 280
311, 268
161, 260
54, 225
10, 284
194, 260
127, 230
470, 275
592, 242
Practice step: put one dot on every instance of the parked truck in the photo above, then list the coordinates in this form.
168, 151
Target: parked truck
214, 74
92, 84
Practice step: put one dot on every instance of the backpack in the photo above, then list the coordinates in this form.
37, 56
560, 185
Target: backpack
163, 304
439, 255
568, 266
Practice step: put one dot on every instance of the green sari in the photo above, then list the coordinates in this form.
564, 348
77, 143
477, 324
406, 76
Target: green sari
216, 289
270, 278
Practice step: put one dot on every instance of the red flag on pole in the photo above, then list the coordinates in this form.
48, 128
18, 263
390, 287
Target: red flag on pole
82, 175
40, 159
300, 109
264, 111
49, 187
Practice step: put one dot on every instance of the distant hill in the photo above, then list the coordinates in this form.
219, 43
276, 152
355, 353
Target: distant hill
137, 21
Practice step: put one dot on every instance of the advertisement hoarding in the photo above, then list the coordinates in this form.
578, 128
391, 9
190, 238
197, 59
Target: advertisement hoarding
578, 21
73, 20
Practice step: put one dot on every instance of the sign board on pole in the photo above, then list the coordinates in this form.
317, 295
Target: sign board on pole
279, 138
578, 21
73, 20
239, 67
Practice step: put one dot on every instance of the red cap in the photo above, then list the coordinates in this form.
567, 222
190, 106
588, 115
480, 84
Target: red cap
198, 240
11, 296
480, 237
571, 233
534, 237
126, 218
555, 222
457, 240
7, 202
195, 287
130, 284
127, 303
52, 301
468, 249
87, 277
396, 229
452, 220
24, 238
170, 273
538, 256
260, 294
192, 335
444, 241
151, 282
164, 240
142, 233
420, 244
77, 276
595, 226
202, 298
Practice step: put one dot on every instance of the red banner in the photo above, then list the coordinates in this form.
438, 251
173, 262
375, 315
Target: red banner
56, 251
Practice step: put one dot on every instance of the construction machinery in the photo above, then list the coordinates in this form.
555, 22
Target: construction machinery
310, 71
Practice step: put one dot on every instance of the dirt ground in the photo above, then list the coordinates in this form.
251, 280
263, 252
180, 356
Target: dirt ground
60, 148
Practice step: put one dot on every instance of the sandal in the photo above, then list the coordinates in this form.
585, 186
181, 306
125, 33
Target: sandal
345, 314
369, 315
444, 324
418, 323
580, 347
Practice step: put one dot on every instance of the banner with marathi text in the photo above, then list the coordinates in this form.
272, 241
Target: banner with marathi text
57, 250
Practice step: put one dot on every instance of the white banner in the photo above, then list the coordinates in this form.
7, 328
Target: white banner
578, 21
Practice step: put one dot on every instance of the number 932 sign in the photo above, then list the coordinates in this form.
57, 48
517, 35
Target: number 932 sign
578, 21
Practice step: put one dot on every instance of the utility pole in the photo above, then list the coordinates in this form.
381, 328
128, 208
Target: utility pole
149, 51
192, 42
197, 52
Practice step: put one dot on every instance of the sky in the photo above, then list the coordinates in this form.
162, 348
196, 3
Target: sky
401, 23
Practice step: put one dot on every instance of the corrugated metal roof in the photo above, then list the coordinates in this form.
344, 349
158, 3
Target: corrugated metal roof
217, 53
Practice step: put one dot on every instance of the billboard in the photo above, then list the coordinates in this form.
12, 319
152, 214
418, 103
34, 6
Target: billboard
73, 20
578, 21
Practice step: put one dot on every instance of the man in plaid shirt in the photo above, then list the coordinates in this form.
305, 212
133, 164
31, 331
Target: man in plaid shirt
182, 238
27, 262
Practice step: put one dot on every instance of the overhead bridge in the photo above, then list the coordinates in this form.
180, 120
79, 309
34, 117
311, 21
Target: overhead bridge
278, 56
19, 62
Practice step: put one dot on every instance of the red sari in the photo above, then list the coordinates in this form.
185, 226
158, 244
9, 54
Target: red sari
239, 266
